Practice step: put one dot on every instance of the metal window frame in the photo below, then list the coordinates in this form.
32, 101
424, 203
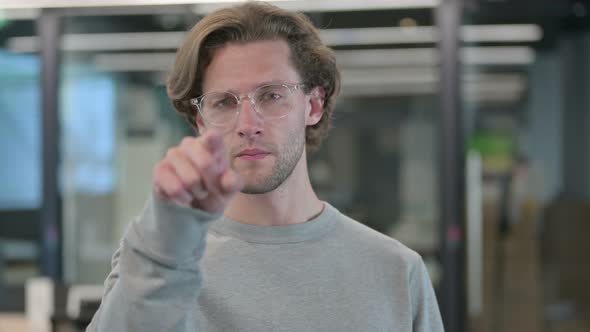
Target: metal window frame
51, 226
451, 165
50, 31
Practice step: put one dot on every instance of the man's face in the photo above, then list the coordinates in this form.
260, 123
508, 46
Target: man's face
263, 151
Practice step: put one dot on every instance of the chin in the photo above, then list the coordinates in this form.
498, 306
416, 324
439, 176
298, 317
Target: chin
254, 190
257, 184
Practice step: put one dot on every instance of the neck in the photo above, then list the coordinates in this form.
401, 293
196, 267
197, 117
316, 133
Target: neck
294, 201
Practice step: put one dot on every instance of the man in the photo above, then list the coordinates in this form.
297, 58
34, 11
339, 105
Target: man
234, 237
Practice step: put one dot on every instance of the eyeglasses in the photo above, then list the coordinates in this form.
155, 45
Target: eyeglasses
272, 101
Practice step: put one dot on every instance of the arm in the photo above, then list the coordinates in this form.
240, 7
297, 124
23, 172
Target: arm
426, 315
155, 279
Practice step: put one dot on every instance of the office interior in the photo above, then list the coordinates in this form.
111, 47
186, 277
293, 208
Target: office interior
487, 117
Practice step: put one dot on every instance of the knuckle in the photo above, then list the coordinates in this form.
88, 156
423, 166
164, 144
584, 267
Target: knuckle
174, 157
175, 188
206, 163
195, 178
171, 153
186, 150
158, 170
186, 141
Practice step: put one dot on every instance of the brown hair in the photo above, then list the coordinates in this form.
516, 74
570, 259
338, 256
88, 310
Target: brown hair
254, 21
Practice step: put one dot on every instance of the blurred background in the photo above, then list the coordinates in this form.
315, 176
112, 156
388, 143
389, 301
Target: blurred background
463, 130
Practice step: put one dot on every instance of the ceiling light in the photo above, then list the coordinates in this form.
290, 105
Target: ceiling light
429, 34
377, 36
19, 14
501, 33
105, 41
150, 62
484, 55
332, 37
387, 57
205, 7
208, 5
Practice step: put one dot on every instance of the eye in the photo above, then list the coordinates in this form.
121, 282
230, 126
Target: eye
271, 96
271, 93
223, 103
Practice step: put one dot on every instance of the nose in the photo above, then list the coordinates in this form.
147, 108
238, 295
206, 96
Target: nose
250, 123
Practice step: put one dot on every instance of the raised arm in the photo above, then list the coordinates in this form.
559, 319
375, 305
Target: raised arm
155, 278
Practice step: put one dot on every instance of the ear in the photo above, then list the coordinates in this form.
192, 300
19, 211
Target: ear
315, 106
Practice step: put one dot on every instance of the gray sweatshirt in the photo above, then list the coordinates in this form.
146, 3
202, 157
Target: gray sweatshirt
328, 274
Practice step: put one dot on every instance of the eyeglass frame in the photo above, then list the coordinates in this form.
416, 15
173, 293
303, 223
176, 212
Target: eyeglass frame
291, 86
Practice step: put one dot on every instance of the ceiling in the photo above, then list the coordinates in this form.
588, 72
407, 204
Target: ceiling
552, 17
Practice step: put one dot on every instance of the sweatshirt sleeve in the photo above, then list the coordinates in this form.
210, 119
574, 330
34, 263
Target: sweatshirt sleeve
425, 311
155, 278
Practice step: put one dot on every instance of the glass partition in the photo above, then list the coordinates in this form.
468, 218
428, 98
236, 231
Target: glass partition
20, 148
378, 164
525, 98
117, 123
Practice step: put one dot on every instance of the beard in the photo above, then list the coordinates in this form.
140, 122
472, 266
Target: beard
287, 158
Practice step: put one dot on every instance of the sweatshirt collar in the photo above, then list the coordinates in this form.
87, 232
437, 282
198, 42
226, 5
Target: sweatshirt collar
292, 233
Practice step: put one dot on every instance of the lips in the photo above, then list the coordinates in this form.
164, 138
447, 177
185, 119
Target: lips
252, 154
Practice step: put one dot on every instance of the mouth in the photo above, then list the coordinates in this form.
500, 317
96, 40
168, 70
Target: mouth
252, 154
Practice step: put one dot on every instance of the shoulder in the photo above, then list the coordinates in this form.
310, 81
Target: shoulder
380, 247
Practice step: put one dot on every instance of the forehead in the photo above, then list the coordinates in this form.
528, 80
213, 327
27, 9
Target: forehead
243, 66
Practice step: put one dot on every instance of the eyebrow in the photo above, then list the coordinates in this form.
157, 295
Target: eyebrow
255, 87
